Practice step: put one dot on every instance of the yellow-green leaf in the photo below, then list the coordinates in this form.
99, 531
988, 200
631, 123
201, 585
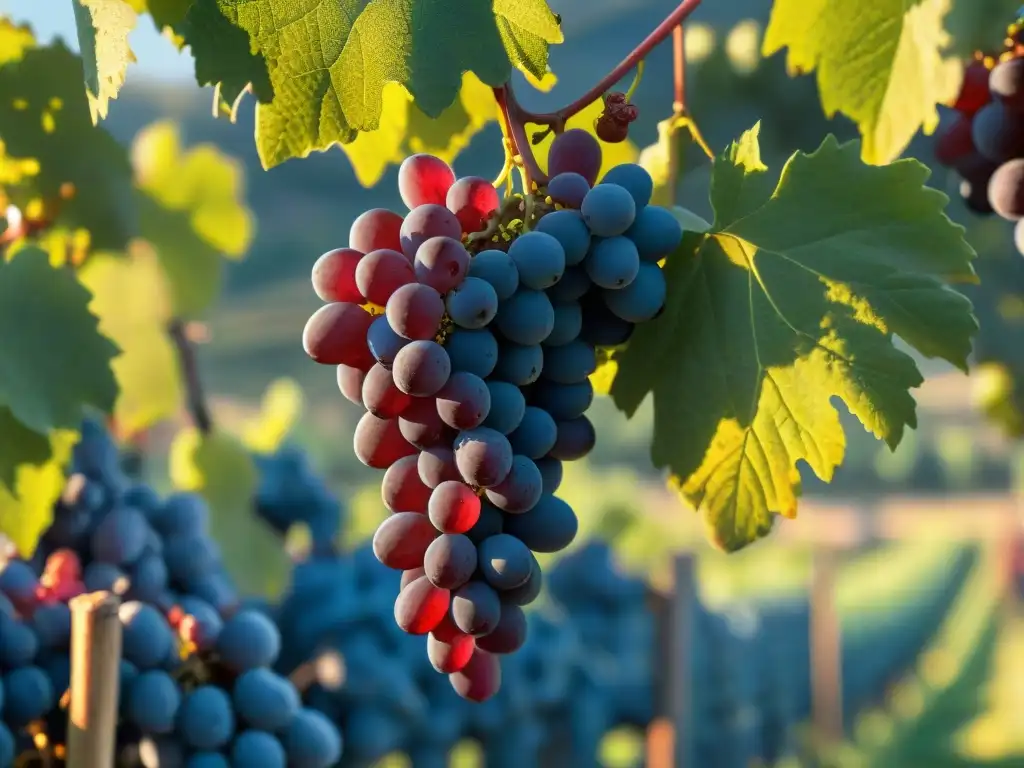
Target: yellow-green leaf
220, 468
280, 409
103, 28
132, 300
26, 507
792, 299
15, 39
612, 154
879, 62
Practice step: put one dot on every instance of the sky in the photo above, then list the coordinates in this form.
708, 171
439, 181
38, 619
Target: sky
157, 57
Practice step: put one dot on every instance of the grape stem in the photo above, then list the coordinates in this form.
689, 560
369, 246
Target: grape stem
195, 396
514, 116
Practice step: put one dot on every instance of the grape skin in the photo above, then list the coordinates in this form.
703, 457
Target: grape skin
420, 424
642, 299
569, 229
472, 200
453, 507
473, 351
265, 700
451, 654
206, 719
1006, 82
421, 606
568, 189
551, 474
535, 435
379, 443
576, 439
997, 133
570, 363
382, 272
655, 233
473, 304
425, 222
568, 323
424, 179
549, 527
414, 312
476, 608
572, 287
575, 151
437, 464
153, 702
374, 229
441, 263
539, 259
401, 541
383, 342
507, 406
521, 365
334, 276
483, 456
1006, 190
464, 401
634, 179
520, 490
527, 318
402, 490
510, 634
479, 679
613, 263
608, 210
336, 334
421, 368
563, 401
450, 561
498, 269
381, 396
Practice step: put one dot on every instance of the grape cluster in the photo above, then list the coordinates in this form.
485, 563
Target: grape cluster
984, 143
196, 685
470, 345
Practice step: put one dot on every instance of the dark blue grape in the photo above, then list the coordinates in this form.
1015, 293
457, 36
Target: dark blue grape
530, 590
576, 438
507, 406
510, 634
642, 299
526, 318
19, 582
207, 760
518, 364
572, 287
18, 642
153, 701
384, 342
311, 741
535, 435
475, 351
7, 746
249, 639
148, 578
520, 490
549, 527
190, 556
563, 401
539, 258
505, 562
120, 537
184, 514
28, 695
634, 179
206, 719
568, 228
52, 625
608, 210
473, 304
265, 700
258, 749
551, 474
656, 233
498, 269
568, 189
568, 323
612, 262
147, 639
104, 577
601, 326
570, 363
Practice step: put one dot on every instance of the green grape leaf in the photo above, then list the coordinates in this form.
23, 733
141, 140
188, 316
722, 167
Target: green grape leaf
979, 25
26, 504
53, 359
103, 28
791, 299
405, 130
83, 174
328, 77
220, 468
165, 13
192, 212
15, 39
132, 299
880, 63
19, 445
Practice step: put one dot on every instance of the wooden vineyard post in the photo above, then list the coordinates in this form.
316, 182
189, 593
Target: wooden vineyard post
826, 652
95, 666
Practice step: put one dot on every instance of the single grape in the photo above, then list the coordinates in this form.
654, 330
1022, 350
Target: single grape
507, 406
473, 351
383, 342
634, 179
414, 311
381, 273
334, 276
601, 326
421, 368
437, 464
570, 363
563, 401
1006, 190
473, 304
381, 396
146, 637
535, 435
954, 141
402, 490
1006, 83
453, 507
350, 382
258, 749
401, 540
539, 259
408, 577
505, 561
312, 741
498, 269
421, 606
206, 719
549, 527
521, 365
448, 648
441, 263
642, 299
476, 608
249, 639
526, 318
656, 233
551, 474
374, 229
572, 287
568, 228
568, 189
336, 334
472, 200
484, 456
568, 323
997, 133
28, 695
148, 578
612, 263
491, 523
264, 699
425, 222
576, 439
974, 92
480, 679
464, 401
521, 488
575, 151
424, 179
510, 634
120, 537
608, 210
52, 625
379, 443
450, 561
153, 701
421, 425
528, 592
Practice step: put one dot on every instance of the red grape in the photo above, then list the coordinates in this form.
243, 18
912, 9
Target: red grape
437, 464
350, 382
472, 200
374, 229
381, 273
954, 142
380, 395
509, 635
336, 334
408, 577
521, 490
421, 606
415, 311
484, 456
421, 368
464, 401
480, 679
974, 92
441, 263
450, 560
451, 655
402, 490
379, 443
1006, 82
424, 179
575, 151
426, 222
422, 427
476, 608
401, 540
453, 507
334, 276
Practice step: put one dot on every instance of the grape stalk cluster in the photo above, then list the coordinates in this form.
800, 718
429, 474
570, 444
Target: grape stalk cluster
985, 142
196, 679
468, 329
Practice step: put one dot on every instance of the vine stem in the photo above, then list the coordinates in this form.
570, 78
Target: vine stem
514, 116
195, 396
